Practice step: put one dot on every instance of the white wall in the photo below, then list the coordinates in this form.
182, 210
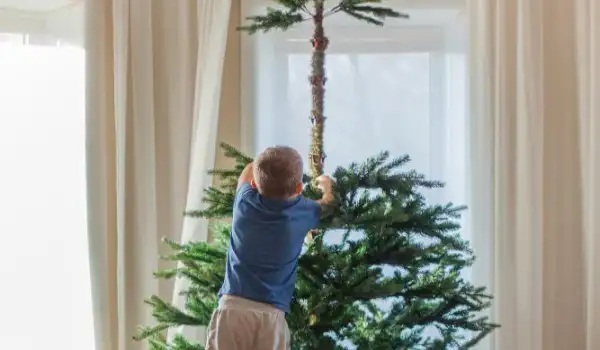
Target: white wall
64, 24
13, 21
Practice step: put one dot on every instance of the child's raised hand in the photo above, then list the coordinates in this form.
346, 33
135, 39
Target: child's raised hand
324, 183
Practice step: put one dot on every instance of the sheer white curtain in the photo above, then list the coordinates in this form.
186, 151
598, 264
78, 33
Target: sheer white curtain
45, 293
534, 74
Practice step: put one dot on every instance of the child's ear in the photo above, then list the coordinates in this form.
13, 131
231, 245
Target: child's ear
299, 188
253, 184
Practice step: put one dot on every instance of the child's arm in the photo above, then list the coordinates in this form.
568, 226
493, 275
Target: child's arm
247, 176
327, 201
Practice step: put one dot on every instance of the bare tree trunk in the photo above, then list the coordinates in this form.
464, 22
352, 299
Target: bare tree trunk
317, 80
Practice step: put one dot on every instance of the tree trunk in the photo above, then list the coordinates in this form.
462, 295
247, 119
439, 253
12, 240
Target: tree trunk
317, 80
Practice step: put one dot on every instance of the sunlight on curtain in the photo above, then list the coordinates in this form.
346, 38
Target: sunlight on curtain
45, 293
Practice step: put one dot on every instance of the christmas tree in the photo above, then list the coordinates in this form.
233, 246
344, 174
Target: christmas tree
394, 279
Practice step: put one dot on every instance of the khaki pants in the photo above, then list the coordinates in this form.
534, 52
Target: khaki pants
242, 324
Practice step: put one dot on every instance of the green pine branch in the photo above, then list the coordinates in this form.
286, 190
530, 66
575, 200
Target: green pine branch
274, 19
159, 342
294, 5
297, 11
371, 14
364, 10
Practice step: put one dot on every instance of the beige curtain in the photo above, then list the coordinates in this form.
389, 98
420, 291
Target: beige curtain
154, 79
229, 131
536, 157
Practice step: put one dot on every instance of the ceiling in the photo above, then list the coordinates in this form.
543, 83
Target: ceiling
35, 6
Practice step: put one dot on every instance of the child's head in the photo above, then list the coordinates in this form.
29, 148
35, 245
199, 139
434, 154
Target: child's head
278, 172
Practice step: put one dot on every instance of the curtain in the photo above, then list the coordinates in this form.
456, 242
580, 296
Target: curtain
153, 91
535, 140
229, 131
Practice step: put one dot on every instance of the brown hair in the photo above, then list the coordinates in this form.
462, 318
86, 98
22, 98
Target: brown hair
277, 172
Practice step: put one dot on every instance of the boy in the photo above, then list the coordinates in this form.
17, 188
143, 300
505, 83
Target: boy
270, 221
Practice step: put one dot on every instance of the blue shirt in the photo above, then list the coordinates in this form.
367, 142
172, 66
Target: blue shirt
266, 240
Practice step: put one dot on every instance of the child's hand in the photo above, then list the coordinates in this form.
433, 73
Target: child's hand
325, 184
327, 201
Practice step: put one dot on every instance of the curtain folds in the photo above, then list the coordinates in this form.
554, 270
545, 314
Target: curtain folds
154, 74
535, 152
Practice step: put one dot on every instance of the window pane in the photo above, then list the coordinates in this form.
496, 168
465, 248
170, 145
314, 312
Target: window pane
44, 259
399, 102
376, 100
362, 101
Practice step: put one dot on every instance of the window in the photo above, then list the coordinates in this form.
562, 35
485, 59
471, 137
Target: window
46, 296
400, 88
